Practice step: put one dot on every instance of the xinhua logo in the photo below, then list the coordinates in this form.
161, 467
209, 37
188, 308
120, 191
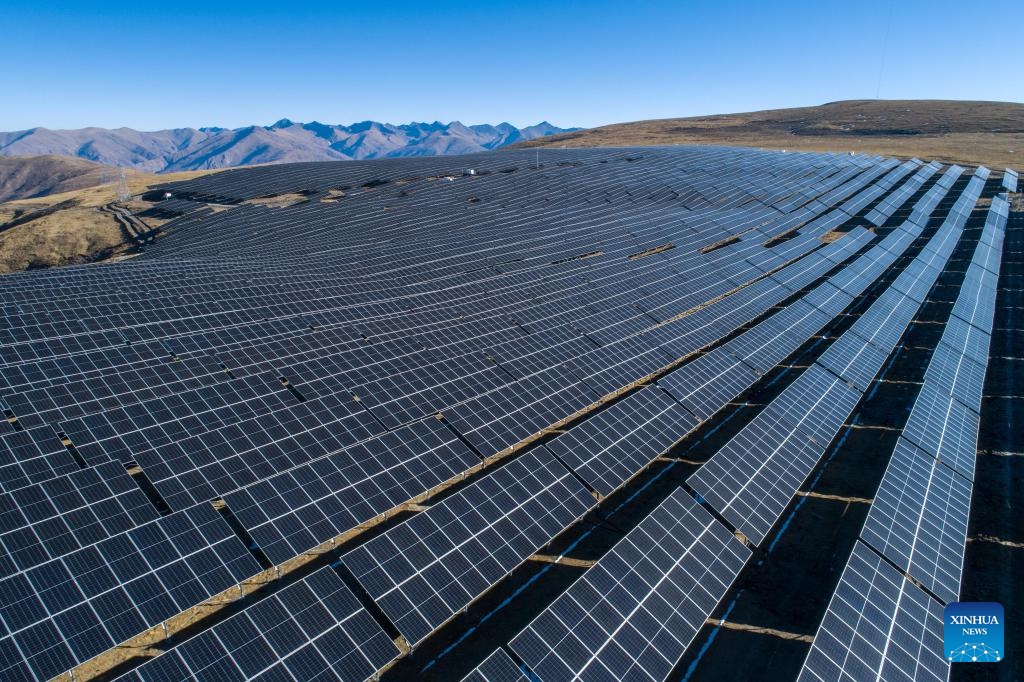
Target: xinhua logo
973, 632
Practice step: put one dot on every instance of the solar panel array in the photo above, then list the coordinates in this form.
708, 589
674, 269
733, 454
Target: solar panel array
412, 322
708, 383
618, 442
294, 511
71, 608
751, 480
918, 519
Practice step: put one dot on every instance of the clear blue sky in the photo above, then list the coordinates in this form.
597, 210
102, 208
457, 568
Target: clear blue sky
158, 65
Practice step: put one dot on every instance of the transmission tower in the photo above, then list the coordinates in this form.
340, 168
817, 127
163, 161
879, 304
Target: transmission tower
122, 188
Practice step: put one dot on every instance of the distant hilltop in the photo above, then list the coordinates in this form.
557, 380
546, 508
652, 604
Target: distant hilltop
185, 149
988, 133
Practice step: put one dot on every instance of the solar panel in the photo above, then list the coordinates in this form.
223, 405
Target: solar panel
616, 365
851, 358
753, 477
829, 299
917, 279
631, 615
49, 520
293, 512
878, 626
207, 465
1010, 180
535, 353
884, 323
498, 667
967, 339
420, 391
977, 304
312, 629
958, 375
615, 444
774, 339
944, 428
707, 383
803, 272
918, 519
31, 456
680, 338
428, 568
504, 417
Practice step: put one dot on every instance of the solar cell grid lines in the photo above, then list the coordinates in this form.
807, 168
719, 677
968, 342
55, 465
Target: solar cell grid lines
294, 511
885, 322
47, 520
70, 609
425, 570
312, 629
201, 467
918, 519
501, 418
707, 383
32, 455
945, 428
878, 626
768, 343
618, 442
399, 399
852, 359
957, 374
633, 614
498, 667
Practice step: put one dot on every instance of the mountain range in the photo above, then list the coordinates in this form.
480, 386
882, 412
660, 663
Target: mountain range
183, 149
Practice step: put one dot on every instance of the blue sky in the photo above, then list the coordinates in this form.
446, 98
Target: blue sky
177, 64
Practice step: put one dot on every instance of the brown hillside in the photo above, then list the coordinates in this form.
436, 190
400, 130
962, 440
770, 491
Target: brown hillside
25, 177
69, 227
989, 133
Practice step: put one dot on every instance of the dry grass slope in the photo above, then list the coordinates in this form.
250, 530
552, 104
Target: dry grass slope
22, 177
987, 133
77, 233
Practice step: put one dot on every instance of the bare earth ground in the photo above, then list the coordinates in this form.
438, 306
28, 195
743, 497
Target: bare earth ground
974, 133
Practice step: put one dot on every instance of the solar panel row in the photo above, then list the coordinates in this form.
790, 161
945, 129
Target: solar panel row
612, 439
632, 614
70, 609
